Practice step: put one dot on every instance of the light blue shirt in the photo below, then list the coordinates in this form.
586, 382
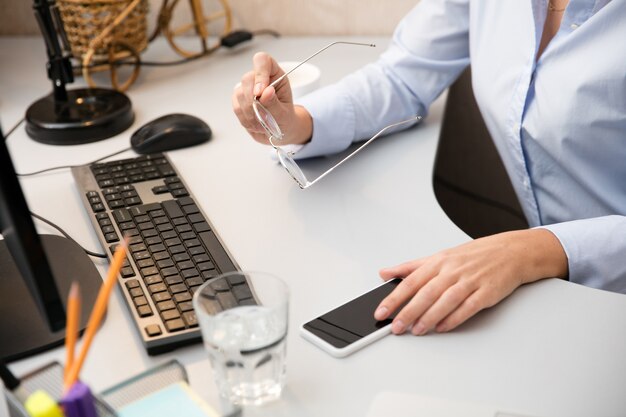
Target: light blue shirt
559, 123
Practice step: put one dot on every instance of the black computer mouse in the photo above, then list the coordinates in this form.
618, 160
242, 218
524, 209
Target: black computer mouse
169, 132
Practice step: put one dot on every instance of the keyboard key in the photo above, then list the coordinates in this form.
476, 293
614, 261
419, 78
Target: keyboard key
226, 300
140, 301
161, 296
127, 272
152, 270
185, 201
185, 306
160, 255
144, 311
144, 263
191, 209
165, 263
180, 257
196, 218
132, 283
174, 325
172, 209
155, 288
153, 330
193, 281
217, 251
201, 227
136, 292
183, 296
166, 305
173, 279
170, 314
178, 288
111, 237
242, 292
153, 279
121, 215
190, 319
161, 189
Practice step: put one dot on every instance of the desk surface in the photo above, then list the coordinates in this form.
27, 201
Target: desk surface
551, 349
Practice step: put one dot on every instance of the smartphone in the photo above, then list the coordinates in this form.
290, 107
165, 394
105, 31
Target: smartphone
352, 325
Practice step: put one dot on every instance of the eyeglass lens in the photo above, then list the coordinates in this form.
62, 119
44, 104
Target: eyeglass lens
267, 120
292, 167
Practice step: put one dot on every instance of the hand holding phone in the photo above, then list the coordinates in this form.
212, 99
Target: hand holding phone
351, 326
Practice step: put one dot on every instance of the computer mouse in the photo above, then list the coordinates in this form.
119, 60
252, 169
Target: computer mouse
169, 132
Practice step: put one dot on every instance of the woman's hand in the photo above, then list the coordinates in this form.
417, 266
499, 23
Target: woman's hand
445, 289
294, 121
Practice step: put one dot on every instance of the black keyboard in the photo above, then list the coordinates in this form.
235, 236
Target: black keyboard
173, 247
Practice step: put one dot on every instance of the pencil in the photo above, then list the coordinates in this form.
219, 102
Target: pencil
98, 311
71, 328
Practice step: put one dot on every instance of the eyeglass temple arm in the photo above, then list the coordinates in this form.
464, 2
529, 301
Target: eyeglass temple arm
279, 79
380, 132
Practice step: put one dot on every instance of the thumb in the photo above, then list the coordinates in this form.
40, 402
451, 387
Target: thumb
269, 99
265, 68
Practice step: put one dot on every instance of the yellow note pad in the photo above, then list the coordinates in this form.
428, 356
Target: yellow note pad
175, 400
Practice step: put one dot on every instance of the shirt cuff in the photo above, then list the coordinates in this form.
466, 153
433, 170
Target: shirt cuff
333, 121
595, 250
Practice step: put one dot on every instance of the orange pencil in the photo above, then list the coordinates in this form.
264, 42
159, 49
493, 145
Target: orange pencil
98, 312
71, 328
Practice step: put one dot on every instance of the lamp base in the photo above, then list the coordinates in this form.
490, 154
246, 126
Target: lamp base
88, 115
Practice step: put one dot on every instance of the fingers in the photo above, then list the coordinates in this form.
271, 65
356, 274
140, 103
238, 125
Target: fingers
242, 106
265, 69
400, 271
469, 307
445, 305
402, 293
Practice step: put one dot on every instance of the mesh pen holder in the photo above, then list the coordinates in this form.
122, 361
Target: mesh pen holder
50, 379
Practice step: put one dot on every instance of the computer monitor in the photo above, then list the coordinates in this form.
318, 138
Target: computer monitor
36, 272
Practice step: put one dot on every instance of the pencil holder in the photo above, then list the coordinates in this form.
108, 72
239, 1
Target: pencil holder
50, 379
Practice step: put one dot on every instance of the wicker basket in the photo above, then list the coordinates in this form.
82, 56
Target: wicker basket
101, 31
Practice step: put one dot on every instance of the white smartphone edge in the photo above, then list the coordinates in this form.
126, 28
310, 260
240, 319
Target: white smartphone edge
352, 347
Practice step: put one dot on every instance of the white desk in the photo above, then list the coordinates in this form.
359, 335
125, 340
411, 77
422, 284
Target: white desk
551, 349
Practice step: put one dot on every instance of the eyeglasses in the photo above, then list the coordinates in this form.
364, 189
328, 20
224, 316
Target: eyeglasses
270, 125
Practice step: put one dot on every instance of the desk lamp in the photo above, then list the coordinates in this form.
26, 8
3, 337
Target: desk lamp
71, 117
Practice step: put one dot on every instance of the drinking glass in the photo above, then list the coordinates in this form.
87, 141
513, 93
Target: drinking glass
243, 319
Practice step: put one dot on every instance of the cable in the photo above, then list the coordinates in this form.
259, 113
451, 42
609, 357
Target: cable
6, 137
73, 166
49, 223
266, 32
230, 40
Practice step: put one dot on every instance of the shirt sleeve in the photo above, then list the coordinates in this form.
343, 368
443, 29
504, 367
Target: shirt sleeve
596, 251
429, 49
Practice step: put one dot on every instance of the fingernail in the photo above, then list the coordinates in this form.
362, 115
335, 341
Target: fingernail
380, 313
398, 327
418, 329
257, 89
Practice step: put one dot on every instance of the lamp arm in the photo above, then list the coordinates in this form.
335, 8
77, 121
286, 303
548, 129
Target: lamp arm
59, 65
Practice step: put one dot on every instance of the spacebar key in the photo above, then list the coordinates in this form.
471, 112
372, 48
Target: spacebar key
217, 252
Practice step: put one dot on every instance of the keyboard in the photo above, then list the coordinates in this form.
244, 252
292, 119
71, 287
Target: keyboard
173, 248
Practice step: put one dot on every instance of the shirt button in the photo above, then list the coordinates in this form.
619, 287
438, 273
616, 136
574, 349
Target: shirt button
573, 26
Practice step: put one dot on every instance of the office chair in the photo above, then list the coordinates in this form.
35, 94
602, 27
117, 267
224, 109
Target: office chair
469, 179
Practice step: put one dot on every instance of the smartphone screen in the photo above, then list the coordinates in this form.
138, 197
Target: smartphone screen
354, 320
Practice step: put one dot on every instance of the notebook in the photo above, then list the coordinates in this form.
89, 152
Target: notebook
174, 400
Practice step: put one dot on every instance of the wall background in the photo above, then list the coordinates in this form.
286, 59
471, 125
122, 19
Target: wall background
288, 17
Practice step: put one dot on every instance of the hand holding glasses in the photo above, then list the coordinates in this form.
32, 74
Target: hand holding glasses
274, 133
